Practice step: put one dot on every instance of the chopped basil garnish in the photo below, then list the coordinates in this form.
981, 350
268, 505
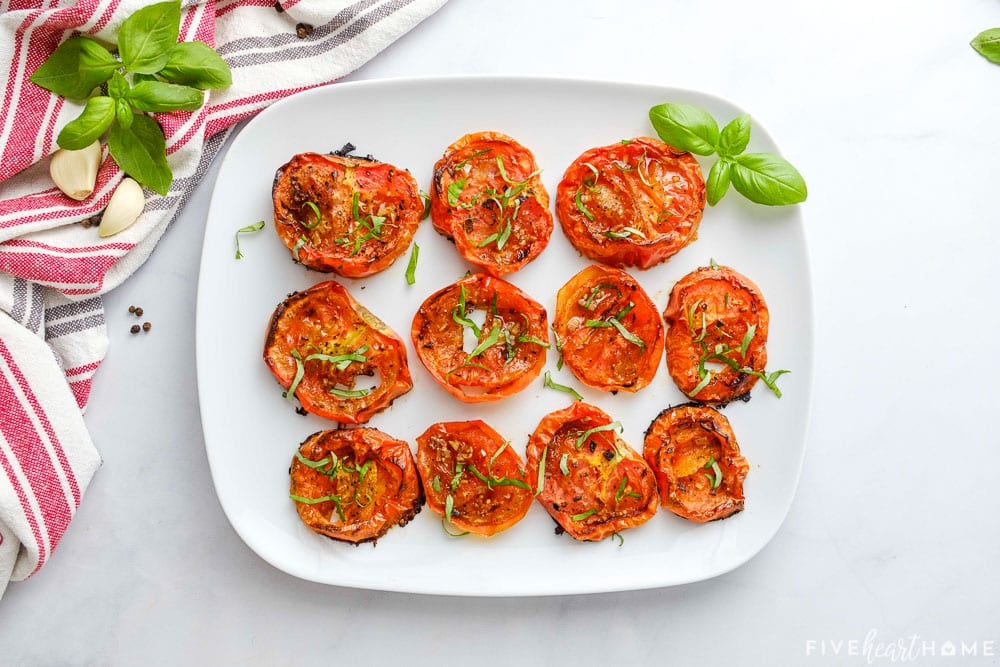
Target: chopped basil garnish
706, 378
588, 303
621, 489
613, 426
455, 191
255, 227
316, 212
747, 338
449, 507
464, 162
436, 483
563, 466
350, 393
298, 246
640, 168
616, 323
496, 455
581, 206
497, 481
618, 536
624, 233
491, 339
300, 370
560, 387
541, 470
411, 268
712, 263
427, 205
341, 360
459, 316
457, 477
584, 515
316, 501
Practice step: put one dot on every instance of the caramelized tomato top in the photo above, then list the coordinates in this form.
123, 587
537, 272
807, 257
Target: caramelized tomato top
343, 214
484, 362
717, 320
592, 482
699, 469
488, 197
634, 203
473, 466
610, 331
339, 344
354, 484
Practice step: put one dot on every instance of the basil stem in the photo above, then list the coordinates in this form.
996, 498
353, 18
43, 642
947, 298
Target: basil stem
548, 382
613, 426
249, 229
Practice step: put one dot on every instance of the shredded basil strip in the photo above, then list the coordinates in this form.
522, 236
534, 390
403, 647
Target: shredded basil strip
255, 227
472, 157
316, 212
459, 469
491, 339
411, 268
629, 336
496, 455
613, 426
298, 246
639, 167
532, 339
341, 360
592, 168
449, 507
541, 470
747, 338
584, 515
316, 501
300, 370
350, 393
594, 291
548, 382
492, 481
427, 205
621, 489
458, 314
455, 191
563, 467
581, 206
701, 385
313, 464
625, 233
621, 540
436, 483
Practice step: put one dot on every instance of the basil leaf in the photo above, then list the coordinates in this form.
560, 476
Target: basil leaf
987, 44
89, 125
196, 64
141, 153
765, 178
159, 96
124, 114
118, 87
75, 68
735, 136
146, 37
718, 181
685, 127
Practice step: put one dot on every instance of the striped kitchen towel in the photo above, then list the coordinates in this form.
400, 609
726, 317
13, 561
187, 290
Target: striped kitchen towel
53, 270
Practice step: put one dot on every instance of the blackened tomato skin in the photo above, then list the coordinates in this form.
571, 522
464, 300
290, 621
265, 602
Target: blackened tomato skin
724, 304
374, 478
449, 456
681, 445
597, 489
470, 202
499, 370
351, 238
634, 203
601, 356
326, 319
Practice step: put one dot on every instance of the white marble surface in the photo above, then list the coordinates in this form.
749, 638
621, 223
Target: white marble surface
893, 120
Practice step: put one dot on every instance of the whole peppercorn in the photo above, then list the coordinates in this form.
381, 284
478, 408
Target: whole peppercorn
146, 326
134, 329
303, 30
138, 312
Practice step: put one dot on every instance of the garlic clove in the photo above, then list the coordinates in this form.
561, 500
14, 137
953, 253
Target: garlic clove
75, 172
124, 208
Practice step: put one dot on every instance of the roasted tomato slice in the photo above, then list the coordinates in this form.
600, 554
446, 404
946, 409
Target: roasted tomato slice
504, 354
328, 345
488, 197
343, 214
610, 331
699, 469
634, 203
716, 334
472, 477
354, 484
591, 481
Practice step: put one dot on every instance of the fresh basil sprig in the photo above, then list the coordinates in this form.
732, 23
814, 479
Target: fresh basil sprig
763, 178
987, 43
155, 74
